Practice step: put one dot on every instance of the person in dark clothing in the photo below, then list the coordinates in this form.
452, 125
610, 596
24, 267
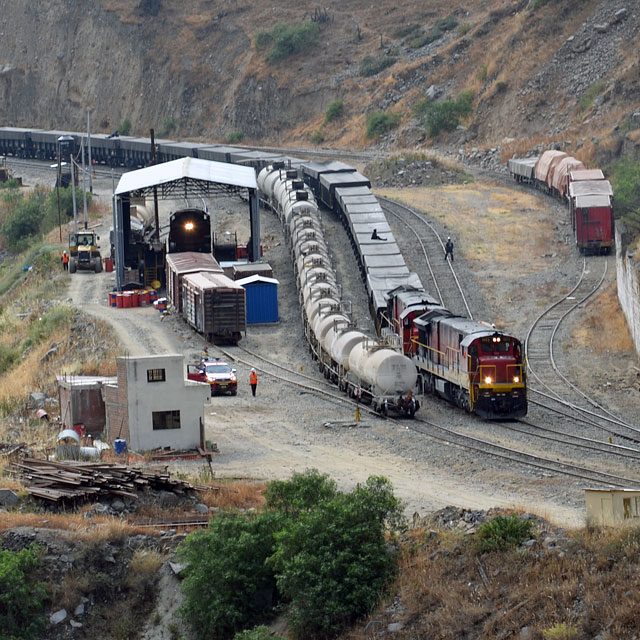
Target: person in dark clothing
375, 236
448, 249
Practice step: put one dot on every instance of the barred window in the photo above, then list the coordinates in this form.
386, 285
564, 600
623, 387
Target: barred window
165, 420
155, 375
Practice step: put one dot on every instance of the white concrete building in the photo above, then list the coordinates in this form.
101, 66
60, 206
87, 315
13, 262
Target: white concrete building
153, 406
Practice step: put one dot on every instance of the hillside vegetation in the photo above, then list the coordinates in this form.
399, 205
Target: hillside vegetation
532, 71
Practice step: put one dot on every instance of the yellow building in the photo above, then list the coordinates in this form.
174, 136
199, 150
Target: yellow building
611, 507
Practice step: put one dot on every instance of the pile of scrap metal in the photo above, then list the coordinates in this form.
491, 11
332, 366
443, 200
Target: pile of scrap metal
77, 481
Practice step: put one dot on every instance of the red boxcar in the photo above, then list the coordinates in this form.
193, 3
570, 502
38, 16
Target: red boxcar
592, 215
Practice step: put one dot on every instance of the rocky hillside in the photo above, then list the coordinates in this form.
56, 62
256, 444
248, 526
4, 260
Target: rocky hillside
539, 70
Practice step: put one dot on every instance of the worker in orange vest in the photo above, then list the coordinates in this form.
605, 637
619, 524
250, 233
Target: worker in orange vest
253, 381
65, 261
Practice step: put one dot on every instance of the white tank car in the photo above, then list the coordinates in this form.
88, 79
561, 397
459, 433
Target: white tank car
320, 305
324, 322
342, 346
292, 208
384, 371
310, 246
312, 260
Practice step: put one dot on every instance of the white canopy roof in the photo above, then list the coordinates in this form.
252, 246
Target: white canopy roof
187, 169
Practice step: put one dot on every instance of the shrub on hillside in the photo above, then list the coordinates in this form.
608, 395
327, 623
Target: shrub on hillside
21, 596
626, 187
227, 586
125, 128
379, 122
443, 116
285, 40
503, 532
257, 633
335, 111
234, 137
333, 563
371, 65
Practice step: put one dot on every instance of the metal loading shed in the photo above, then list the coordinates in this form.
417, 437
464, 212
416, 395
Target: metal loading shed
261, 299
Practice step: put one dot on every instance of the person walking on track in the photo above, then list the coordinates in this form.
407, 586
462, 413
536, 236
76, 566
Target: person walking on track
65, 261
448, 249
253, 381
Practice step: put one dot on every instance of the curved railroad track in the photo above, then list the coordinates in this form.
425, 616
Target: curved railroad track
562, 465
540, 344
439, 276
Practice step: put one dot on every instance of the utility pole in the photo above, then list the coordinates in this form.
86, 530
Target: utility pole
155, 188
73, 194
89, 150
84, 191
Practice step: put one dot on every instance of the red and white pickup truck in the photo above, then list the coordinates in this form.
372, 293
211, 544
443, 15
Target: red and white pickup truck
216, 373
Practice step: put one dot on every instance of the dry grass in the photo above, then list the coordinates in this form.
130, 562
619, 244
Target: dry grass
234, 495
605, 329
97, 529
446, 590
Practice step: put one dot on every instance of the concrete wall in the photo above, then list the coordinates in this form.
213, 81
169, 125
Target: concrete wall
172, 394
628, 274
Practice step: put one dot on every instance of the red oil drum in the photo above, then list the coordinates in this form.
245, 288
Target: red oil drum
113, 299
120, 300
108, 265
126, 299
135, 299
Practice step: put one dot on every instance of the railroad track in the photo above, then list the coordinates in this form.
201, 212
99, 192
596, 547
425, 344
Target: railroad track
439, 276
541, 358
562, 465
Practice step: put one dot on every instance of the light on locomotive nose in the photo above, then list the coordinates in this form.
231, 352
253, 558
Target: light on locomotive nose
488, 380
516, 379
189, 226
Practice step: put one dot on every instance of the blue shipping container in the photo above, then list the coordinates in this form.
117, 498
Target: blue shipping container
261, 299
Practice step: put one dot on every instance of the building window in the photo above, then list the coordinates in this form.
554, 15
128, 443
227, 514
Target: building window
165, 420
155, 375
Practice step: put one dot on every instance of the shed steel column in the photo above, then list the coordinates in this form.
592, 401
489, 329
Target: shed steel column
119, 241
254, 210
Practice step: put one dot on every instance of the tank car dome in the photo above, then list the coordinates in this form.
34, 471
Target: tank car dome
344, 344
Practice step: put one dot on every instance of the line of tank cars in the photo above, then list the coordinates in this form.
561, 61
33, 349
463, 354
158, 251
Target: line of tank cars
586, 192
418, 344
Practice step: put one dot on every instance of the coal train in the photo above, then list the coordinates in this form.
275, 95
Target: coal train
419, 345
585, 191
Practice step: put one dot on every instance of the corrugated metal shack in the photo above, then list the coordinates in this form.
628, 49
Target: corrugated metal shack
261, 299
82, 401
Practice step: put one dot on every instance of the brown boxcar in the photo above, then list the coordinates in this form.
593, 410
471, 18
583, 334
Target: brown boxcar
543, 167
214, 305
181, 264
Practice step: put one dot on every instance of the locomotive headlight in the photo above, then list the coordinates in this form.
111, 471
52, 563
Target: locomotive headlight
189, 226
516, 379
488, 380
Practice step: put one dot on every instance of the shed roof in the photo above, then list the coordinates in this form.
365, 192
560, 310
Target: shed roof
256, 278
184, 170
69, 382
192, 261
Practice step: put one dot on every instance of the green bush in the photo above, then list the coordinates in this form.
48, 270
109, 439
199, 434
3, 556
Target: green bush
302, 493
625, 181
285, 40
168, 126
590, 95
443, 116
9, 356
234, 137
125, 128
335, 111
435, 33
333, 563
379, 122
257, 633
503, 532
11, 183
227, 586
21, 597
371, 65
317, 137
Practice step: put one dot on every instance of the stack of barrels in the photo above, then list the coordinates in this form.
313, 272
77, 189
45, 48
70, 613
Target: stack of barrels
129, 299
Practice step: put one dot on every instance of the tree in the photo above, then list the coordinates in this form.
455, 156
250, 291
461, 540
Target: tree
227, 586
333, 563
21, 597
